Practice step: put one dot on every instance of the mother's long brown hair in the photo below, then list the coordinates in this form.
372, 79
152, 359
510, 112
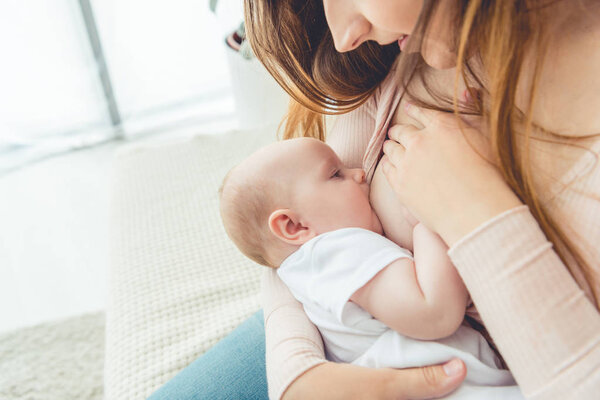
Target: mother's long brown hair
292, 39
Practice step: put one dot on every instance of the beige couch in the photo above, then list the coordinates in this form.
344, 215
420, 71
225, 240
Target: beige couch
176, 283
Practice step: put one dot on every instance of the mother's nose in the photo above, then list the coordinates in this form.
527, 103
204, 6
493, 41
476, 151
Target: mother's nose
348, 27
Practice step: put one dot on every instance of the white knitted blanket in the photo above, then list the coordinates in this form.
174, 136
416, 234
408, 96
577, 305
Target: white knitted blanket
177, 285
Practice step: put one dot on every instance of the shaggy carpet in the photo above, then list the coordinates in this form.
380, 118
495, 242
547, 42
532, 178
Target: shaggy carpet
59, 360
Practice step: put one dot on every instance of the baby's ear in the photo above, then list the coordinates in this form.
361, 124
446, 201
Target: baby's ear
286, 226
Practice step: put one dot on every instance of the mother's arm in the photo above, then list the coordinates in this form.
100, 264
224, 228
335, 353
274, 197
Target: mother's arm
546, 329
295, 361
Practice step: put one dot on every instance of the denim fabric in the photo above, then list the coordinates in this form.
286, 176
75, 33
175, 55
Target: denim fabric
233, 369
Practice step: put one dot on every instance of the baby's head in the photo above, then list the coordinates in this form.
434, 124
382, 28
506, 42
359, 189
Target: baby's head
287, 193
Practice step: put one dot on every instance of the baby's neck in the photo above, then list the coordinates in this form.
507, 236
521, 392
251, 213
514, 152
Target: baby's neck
281, 252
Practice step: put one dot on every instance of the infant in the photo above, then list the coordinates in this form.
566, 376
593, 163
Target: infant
295, 207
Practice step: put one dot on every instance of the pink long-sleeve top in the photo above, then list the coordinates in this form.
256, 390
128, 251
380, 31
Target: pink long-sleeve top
542, 319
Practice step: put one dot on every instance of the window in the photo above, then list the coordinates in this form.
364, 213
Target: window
76, 73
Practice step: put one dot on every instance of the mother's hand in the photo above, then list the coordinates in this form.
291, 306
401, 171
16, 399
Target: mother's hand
346, 381
439, 176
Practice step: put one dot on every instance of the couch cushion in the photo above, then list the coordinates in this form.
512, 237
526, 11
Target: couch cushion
177, 285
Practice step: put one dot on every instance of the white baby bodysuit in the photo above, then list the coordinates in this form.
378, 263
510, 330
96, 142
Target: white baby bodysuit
326, 271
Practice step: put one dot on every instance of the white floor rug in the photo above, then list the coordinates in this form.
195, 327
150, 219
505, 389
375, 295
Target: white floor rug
60, 360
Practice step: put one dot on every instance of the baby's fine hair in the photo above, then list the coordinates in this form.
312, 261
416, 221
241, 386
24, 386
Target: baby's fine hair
245, 205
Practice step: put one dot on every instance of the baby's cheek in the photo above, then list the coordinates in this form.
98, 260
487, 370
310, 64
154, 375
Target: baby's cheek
390, 211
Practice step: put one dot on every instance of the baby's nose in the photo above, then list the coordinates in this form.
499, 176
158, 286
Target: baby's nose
359, 175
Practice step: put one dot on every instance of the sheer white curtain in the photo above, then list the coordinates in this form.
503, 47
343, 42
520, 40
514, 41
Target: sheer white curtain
49, 90
165, 59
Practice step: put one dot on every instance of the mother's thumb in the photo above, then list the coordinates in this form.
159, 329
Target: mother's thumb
434, 381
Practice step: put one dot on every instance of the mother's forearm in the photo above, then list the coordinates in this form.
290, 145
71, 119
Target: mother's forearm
293, 343
546, 329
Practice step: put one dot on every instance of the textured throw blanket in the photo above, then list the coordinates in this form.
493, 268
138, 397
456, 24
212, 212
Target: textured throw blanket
177, 285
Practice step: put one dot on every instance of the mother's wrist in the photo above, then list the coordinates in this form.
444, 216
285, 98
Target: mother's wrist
474, 213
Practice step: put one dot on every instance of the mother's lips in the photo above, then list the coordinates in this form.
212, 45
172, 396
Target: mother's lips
402, 41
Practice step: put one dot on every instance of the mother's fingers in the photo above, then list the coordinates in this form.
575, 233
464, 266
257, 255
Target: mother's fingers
393, 150
403, 134
424, 115
427, 117
390, 169
386, 165
433, 381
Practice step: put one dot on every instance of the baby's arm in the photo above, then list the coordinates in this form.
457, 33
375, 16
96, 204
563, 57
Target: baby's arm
423, 299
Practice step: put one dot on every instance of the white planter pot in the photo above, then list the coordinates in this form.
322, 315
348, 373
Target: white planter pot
259, 100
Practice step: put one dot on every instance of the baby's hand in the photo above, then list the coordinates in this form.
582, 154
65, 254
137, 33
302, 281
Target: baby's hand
424, 235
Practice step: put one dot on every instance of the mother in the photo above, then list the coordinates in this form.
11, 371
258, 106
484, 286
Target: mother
514, 189
518, 200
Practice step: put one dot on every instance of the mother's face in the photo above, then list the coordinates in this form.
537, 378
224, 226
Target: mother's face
353, 22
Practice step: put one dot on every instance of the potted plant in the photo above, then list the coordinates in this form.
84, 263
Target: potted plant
236, 40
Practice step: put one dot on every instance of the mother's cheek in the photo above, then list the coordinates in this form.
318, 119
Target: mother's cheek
390, 211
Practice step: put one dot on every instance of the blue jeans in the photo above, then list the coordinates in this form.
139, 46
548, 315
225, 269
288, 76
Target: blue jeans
233, 369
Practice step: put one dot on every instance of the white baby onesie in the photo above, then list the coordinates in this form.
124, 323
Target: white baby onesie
326, 271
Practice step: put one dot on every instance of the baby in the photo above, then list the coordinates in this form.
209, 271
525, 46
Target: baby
294, 206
